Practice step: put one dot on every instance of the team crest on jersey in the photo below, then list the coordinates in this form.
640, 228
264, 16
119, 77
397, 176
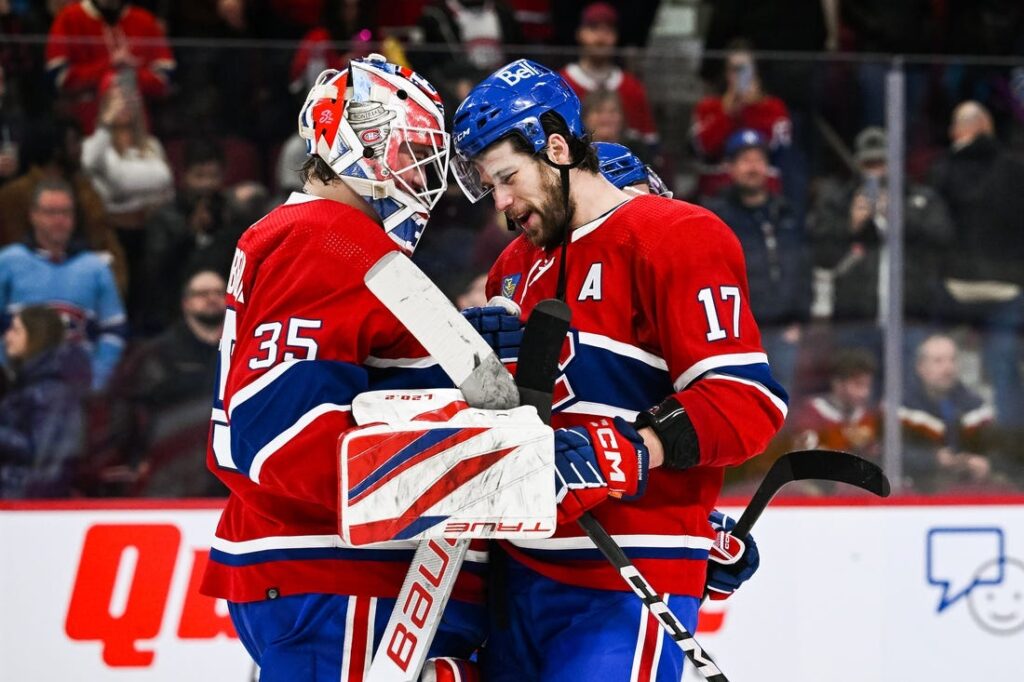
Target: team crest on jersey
509, 284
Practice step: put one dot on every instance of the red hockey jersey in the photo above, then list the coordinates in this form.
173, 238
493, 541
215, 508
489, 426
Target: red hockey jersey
302, 337
660, 306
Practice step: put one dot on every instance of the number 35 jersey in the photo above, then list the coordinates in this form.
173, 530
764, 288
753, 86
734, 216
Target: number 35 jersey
660, 306
302, 337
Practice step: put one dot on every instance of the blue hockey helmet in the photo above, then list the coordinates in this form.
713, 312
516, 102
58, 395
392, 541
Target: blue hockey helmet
509, 101
623, 168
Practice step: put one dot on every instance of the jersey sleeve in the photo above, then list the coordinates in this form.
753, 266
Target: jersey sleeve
693, 279
304, 325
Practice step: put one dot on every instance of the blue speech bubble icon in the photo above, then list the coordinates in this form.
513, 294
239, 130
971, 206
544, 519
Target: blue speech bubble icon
953, 558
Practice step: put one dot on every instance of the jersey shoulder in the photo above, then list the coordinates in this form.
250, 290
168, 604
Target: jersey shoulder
660, 227
317, 230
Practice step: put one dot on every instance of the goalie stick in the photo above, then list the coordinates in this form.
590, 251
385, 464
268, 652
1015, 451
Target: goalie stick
471, 364
536, 372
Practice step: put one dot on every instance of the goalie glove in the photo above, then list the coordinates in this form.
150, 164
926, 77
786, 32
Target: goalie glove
499, 324
593, 462
732, 561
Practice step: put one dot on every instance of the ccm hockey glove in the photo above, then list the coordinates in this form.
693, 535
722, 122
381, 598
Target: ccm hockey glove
732, 561
593, 462
499, 324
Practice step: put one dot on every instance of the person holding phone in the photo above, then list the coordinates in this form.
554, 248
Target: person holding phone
743, 104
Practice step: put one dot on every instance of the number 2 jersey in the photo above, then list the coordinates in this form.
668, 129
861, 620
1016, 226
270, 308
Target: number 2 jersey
660, 306
302, 337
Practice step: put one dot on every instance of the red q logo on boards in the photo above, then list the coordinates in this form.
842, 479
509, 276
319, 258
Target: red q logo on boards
122, 588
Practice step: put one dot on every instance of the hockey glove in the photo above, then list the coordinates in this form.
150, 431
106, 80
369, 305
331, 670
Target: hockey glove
732, 561
499, 324
596, 461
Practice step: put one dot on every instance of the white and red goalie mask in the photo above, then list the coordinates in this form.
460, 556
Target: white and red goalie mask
380, 127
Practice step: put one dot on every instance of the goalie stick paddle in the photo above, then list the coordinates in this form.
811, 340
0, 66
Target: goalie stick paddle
812, 465
469, 362
536, 372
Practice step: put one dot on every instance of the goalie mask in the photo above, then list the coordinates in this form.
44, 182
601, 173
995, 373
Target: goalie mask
380, 127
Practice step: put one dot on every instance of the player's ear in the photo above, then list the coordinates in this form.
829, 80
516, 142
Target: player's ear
558, 150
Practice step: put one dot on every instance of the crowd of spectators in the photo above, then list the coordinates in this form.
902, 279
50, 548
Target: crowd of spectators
139, 139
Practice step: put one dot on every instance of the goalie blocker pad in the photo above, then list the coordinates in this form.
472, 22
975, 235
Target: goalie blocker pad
480, 474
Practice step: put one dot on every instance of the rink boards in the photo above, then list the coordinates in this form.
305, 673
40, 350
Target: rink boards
919, 589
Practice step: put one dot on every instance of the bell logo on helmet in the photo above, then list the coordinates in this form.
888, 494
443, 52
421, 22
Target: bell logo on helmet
517, 71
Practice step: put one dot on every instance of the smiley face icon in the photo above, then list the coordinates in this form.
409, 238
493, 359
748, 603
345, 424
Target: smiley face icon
999, 609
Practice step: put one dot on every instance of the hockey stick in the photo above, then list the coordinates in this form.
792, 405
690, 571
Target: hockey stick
536, 372
471, 364
811, 465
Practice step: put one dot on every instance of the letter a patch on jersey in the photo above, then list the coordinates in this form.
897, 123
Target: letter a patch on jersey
591, 288
510, 284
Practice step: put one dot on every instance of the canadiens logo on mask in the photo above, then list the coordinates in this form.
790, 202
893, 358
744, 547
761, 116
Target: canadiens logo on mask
371, 122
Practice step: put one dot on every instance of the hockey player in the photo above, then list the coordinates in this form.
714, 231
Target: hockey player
663, 382
302, 337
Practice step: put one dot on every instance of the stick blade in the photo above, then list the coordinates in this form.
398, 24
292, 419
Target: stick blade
840, 467
808, 465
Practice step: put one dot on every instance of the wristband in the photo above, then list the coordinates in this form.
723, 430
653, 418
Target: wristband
674, 429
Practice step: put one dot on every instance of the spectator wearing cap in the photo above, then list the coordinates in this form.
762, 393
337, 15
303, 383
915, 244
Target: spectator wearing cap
848, 236
96, 39
742, 105
774, 247
983, 275
597, 36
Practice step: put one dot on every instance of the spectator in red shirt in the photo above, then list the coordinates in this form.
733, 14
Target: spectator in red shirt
846, 418
743, 105
597, 36
93, 38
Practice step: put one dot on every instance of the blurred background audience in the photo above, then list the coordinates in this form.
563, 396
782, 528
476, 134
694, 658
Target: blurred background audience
138, 140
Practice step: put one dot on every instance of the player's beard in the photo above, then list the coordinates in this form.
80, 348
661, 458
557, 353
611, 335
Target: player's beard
554, 218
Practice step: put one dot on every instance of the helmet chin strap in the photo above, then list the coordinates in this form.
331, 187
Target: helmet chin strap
563, 173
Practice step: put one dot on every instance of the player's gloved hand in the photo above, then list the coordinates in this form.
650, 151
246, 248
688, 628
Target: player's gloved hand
499, 324
449, 670
595, 461
732, 561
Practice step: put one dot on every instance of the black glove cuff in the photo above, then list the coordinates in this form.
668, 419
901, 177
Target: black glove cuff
675, 431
